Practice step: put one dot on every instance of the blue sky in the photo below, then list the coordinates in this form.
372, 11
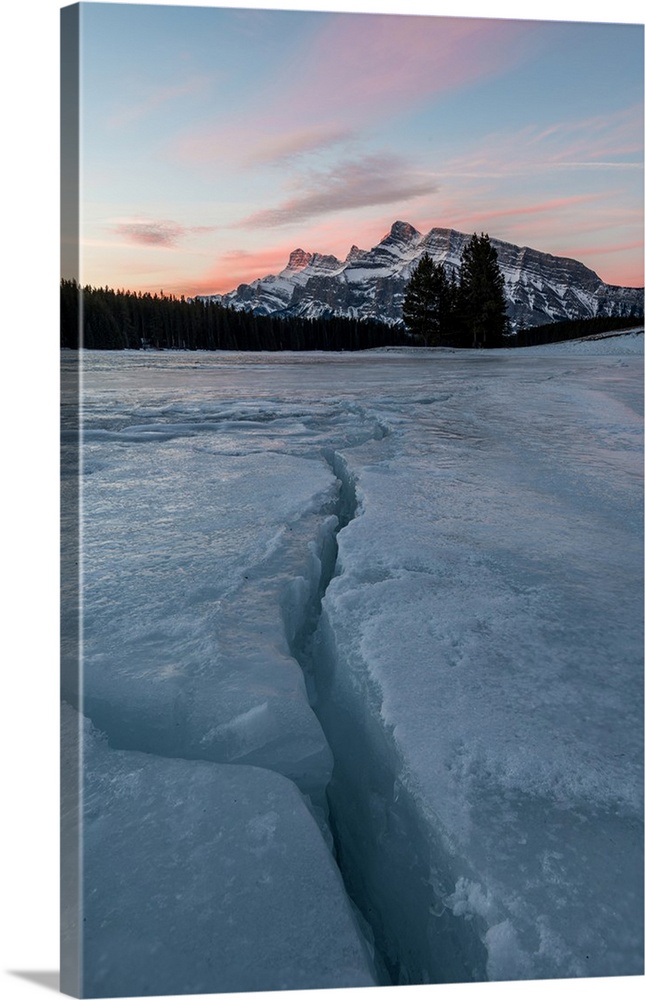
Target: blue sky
214, 141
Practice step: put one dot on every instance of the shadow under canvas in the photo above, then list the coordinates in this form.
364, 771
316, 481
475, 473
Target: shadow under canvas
50, 980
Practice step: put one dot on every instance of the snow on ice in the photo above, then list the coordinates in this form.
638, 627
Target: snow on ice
422, 569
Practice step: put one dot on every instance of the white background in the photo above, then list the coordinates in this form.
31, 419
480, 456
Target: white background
29, 516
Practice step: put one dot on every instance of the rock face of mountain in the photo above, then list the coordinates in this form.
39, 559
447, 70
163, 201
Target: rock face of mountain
540, 288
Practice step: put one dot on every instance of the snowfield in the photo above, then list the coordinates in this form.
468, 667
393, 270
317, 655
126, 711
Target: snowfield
375, 615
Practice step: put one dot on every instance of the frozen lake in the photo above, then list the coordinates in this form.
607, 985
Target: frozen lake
394, 599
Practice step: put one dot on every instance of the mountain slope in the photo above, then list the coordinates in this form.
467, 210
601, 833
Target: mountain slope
540, 288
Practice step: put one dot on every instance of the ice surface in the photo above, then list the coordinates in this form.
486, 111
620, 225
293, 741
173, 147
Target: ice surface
186, 556
484, 637
205, 878
477, 665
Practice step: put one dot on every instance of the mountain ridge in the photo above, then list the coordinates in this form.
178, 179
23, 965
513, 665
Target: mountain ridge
540, 287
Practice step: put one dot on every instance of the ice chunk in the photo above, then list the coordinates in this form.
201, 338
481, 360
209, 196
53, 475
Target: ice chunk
188, 561
205, 878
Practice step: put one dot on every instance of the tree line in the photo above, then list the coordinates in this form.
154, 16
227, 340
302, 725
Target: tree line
104, 319
572, 329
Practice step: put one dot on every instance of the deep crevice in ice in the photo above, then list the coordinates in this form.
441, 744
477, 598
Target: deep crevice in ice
379, 842
392, 864
389, 859
301, 644
301, 622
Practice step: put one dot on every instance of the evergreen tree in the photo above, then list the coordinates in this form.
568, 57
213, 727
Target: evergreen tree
451, 334
426, 306
70, 313
482, 305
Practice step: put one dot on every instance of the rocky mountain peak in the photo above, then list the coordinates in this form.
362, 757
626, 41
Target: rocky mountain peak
299, 259
354, 253
324, 261
402, 231
539, 288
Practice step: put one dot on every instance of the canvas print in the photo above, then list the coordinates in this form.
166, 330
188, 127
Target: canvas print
352, 546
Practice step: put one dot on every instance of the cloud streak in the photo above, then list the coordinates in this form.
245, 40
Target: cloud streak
162, 234
540, 208
357, 71
380, 179
597, 143
277, 149
382, 60
155, 98
259, 143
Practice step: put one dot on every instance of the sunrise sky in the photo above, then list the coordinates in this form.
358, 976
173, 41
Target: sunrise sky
215, 141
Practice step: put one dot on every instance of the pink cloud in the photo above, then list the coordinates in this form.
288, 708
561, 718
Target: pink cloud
361, 65
515, 221
159, 233
357, 70
615, 263
521, 211
601, 142
609, 248
276, 148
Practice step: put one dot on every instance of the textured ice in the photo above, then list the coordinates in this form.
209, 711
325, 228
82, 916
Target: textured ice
475, 665
484, 636
186, 556
205, 878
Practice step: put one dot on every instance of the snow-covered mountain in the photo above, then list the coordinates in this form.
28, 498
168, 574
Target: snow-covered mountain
540, 288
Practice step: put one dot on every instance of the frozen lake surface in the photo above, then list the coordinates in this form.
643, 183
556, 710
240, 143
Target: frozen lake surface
386, 605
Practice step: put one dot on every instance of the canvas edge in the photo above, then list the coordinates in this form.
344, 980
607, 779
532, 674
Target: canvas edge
70, 768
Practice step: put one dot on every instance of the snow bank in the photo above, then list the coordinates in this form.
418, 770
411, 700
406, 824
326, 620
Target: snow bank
627, 343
